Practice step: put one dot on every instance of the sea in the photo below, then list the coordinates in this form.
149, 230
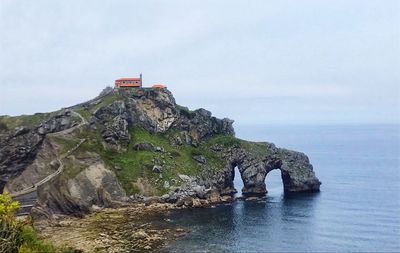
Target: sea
357, 209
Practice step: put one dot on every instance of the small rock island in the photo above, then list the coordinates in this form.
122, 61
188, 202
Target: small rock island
132, 142
135, 145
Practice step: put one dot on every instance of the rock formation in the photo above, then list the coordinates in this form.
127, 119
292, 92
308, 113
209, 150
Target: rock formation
19, 148
139, 141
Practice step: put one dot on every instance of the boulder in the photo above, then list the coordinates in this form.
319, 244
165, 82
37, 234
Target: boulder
159, 149
157, 169
166, 185
143, 146
200, 159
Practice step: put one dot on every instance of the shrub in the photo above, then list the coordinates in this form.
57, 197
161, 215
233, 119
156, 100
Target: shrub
19, 235
3, 126
10, 228
31, 243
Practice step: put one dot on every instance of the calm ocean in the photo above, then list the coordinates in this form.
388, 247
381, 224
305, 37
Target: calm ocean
357, 210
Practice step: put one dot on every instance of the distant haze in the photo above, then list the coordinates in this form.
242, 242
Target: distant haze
258, 61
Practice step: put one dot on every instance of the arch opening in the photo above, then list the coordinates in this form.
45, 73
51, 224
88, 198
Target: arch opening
274, 182
237, 181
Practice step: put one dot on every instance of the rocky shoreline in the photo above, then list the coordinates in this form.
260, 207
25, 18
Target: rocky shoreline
134, 227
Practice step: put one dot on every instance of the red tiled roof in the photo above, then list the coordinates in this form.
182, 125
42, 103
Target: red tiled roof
159, 86
128, 79
130, 85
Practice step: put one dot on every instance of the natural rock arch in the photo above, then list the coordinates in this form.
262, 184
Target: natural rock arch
296, 171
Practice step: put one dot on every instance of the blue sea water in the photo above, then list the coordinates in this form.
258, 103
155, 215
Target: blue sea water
357, 210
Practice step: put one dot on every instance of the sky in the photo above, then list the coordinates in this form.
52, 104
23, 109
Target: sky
257, 62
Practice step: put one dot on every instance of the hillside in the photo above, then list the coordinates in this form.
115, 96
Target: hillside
129, 144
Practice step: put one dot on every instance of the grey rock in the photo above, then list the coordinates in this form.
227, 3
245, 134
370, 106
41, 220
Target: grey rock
20, 130
157, 169
159, 149
155, 111
107, 90
19, 148
297, 172
200, 159
114, 123
143, 146
166, 185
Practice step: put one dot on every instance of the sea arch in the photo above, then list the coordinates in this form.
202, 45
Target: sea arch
296, 171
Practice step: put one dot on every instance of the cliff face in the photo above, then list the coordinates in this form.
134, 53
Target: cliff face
138, 142
19, 147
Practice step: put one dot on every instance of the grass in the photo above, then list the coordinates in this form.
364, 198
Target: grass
138, 164
66, 144
224, 140
174, 160
93, 143
32, 244
87, 112
11, 122
8, 123
185, 111
131, 165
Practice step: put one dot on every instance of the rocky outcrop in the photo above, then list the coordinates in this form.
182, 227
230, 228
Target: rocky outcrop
19, 148
93, 186
254, 165
43, 165
180, 135
156, 111
151, 109
296, 171
96, 185
113, 122
195, 126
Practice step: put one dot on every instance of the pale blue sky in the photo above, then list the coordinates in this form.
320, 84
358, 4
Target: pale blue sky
259, 61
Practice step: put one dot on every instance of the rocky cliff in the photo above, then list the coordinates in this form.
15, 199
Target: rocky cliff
133, 144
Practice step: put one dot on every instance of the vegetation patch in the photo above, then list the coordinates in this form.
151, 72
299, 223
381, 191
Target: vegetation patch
173, 160
135, 168
30, 121
224, 140
185, 111
19, 235
65, 144
87, 112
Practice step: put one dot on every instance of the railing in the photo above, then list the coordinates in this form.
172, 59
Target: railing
60, 168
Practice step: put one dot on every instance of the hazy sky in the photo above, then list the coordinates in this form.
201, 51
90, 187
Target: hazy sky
254, 61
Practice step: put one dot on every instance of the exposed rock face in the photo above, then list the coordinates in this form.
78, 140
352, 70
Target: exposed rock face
156, 111
95, 185
57, 123
19, 148
198, 125
113, 122
17, 151
44, 164
151, 109
296, 170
